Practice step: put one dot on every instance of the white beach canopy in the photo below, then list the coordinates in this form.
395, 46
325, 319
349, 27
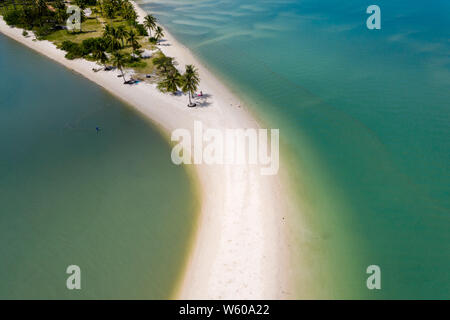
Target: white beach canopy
147, 53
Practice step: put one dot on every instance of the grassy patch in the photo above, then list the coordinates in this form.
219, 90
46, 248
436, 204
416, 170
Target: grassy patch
91, 28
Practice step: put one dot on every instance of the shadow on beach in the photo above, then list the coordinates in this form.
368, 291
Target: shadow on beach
203, 100
163, 43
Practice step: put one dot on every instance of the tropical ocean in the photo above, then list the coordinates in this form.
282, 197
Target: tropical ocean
364, 122
110, 202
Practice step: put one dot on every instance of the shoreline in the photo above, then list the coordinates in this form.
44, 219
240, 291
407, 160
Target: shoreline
239, 249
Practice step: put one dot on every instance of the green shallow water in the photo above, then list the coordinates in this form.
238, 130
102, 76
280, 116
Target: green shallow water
364, 122
112, 203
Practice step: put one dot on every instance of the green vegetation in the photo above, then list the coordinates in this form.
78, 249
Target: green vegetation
164, 64
40, 16
171, 82
190, 82
150, 23
110, 35
84, 49
119, 62
159, 34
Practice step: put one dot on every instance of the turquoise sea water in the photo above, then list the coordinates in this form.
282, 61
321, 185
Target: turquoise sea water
364, 120
112, 203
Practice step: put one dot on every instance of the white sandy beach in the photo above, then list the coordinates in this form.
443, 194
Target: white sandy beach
240, 250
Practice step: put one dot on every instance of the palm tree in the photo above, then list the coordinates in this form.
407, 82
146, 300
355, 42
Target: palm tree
127, 11
121, 34
109, 9
112, 43
132, 40
170, 83
150, 23
159, 33
111, 37
164, 63
119, 62
107, 30
190, 82
110, 31
99, 54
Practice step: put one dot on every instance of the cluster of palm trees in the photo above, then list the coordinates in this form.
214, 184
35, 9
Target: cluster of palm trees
111, 8
150, 24
99, 54
173, 80
117, 38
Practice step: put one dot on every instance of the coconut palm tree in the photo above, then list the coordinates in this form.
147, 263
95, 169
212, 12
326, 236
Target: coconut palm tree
150, 23
107, 30
109, 9
132, 40
159, 33
170, 83
128, 12
119, 62
122, 34
112, 43
99, 54
111, 38
163, 63
190, 82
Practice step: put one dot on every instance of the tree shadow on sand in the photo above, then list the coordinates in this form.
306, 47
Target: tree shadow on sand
203, 101
163, 43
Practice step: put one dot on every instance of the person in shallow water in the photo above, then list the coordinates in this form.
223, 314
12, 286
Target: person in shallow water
98, 129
